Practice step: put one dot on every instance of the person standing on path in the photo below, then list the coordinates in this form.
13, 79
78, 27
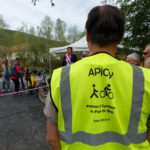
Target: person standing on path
69, 57
21, 75
15, 71
5, 76
76, 121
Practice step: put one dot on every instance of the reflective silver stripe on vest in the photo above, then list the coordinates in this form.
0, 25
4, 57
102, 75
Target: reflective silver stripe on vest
66, 98
130, 137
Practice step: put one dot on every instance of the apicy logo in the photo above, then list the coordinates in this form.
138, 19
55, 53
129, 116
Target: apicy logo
101, 72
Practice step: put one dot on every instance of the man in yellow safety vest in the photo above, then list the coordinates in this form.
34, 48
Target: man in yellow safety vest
99, 102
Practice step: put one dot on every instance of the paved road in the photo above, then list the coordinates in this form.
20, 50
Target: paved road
22, 123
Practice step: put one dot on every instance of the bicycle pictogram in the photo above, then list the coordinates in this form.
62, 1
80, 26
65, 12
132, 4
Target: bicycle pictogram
106, 92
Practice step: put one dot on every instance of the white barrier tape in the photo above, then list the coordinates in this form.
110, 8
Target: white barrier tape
23, 91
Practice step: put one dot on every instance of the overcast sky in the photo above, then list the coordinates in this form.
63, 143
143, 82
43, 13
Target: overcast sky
73, 12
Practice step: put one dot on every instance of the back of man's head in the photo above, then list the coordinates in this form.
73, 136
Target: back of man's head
105, 25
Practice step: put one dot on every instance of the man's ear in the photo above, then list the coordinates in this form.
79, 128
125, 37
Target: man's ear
87, 37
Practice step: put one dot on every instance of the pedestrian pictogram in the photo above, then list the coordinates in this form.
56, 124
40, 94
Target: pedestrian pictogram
94, 92
106, 92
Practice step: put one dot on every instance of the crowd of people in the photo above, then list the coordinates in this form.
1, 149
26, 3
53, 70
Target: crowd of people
16, 72
133, 58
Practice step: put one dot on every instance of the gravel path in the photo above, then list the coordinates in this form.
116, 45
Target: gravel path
22, 123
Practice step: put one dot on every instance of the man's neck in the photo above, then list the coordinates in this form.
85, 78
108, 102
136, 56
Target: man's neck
111, 49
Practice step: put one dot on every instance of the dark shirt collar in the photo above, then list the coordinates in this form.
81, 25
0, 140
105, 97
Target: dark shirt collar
102, 52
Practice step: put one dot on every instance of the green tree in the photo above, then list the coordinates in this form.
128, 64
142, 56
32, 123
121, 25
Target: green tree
38, 31
19, 40
73, 34
137, 15
4, 52
23, 28
3, 24
60, 29
20, 45
35, 52
32, 31
46, 27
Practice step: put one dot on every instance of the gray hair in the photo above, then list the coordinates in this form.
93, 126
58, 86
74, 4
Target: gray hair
134, 56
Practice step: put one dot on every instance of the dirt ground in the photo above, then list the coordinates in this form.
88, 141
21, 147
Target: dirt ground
22, 123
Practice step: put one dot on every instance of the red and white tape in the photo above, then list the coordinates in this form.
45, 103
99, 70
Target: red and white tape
23, 91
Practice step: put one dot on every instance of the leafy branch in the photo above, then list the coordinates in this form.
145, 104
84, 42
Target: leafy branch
36, 1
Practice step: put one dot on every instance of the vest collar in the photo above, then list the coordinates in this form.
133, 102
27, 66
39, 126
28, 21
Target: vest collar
102, 52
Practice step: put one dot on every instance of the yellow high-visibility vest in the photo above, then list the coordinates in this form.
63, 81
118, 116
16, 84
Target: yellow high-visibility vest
103, 104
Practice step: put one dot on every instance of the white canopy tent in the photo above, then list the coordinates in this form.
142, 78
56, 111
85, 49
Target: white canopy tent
78, 46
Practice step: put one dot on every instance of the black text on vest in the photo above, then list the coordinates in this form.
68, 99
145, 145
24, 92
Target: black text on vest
100, 71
